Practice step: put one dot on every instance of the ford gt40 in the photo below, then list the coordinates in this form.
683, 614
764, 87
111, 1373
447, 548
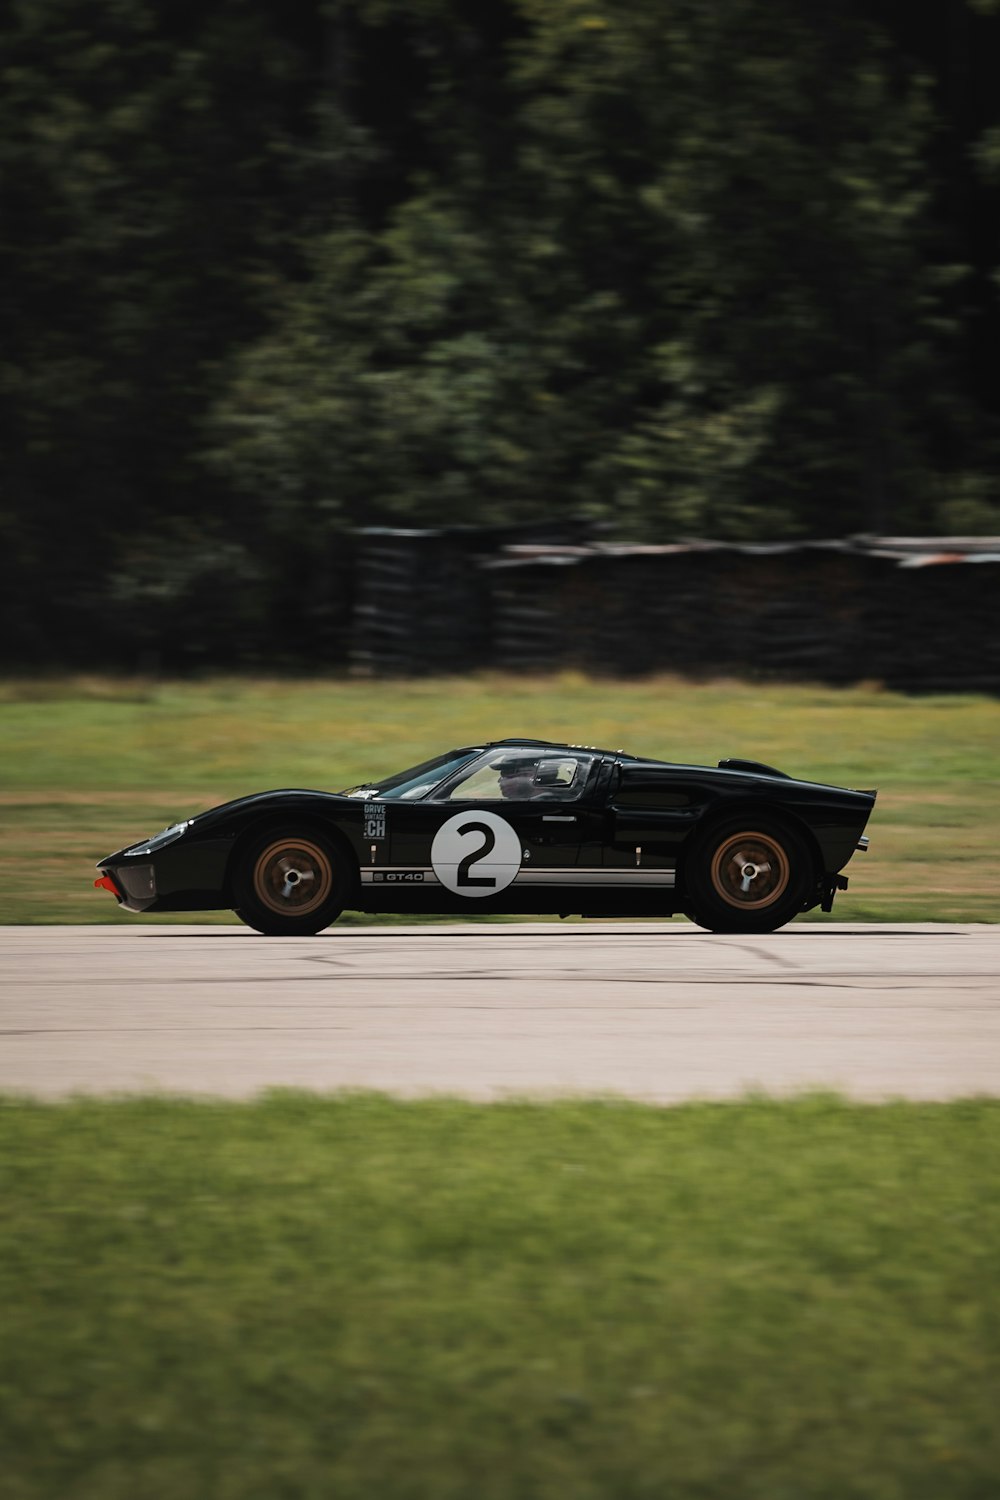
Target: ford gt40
517, 826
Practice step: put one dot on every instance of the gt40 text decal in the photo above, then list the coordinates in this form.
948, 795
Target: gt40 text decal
476, 854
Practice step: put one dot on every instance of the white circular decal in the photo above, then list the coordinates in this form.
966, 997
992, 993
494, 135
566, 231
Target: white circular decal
476, 854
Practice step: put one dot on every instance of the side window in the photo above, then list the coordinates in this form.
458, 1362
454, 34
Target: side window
525, 776
481, 786
564, 775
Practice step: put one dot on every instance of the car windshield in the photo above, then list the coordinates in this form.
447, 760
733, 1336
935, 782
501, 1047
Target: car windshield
417, 781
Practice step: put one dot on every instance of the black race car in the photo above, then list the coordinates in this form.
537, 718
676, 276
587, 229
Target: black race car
516, 826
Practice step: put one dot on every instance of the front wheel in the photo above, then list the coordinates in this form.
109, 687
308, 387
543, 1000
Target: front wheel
289, 883
749, 875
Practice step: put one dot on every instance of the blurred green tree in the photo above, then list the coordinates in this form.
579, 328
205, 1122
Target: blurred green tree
270, 271
674, 267
145, 173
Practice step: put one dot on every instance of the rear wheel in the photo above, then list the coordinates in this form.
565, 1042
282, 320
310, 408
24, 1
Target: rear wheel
289, 883
749, 875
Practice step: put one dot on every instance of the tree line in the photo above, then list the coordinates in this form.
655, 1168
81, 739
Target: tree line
271, 270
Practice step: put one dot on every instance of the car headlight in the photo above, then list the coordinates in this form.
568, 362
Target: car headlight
160, 840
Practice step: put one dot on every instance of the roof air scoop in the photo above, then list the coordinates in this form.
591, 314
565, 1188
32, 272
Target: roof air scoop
755, 767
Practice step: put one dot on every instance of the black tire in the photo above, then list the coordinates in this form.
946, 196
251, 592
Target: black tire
290, 882
750, 874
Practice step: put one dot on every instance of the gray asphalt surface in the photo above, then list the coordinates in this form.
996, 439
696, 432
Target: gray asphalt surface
659, 1012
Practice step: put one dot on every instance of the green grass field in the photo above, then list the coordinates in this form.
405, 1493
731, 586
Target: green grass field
87, 765
355, 1297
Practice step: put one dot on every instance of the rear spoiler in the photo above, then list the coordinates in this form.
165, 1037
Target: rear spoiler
756, 767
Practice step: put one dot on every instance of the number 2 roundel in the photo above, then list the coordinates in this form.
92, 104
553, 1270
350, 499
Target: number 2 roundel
476, 854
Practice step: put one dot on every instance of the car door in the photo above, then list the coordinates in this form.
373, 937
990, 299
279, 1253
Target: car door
479, 842
564, 825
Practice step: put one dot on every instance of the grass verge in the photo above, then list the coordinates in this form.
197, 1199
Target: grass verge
87, 765
359, 1297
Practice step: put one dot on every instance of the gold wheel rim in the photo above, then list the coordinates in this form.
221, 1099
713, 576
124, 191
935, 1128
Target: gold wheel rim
750, 871
292, 877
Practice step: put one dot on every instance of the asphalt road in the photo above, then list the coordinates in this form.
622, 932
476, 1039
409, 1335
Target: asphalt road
660, 1012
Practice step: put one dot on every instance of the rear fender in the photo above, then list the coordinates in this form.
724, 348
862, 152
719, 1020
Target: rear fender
754, 809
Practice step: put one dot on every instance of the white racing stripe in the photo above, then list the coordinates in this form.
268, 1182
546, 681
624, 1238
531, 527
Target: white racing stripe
418, 875
600, 876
